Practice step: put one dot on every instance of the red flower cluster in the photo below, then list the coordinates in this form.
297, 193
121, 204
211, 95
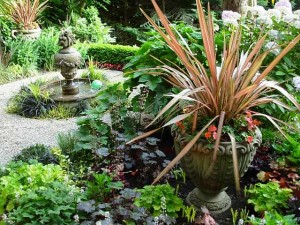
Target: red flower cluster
112, 66
212, 132
180, 125
251, 125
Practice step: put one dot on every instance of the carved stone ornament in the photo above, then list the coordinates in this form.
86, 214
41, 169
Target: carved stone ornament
210, 188
68, 59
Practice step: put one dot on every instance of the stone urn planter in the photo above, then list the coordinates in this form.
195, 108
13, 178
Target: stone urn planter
29, 34
210, 189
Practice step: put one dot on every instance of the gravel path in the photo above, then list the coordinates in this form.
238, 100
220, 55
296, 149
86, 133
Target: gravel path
17, 132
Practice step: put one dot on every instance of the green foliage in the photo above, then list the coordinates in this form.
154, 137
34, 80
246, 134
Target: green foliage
66, 143
93, 72
290, 149
159, 199
90, 28
241, 215
24, 178
34, 54
114, 54
39, 152
102, 187
271, 218
60, 112
189, 212
47, 45
24, 53
54, 204
262, 196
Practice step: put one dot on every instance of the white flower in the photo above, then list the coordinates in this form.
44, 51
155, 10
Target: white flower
274, 13
4, 217
284, 10
264, 20
296, 24
263, 221
283, 3
297, 12
76, 218
228, 22
230, 18
257, 10
98, 223
241, 222
296, 83
274, 34
288, 18
228, 14
273, 47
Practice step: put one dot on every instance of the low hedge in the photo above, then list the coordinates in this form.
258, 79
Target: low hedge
108, 53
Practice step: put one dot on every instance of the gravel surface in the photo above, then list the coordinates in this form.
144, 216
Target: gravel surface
17, 132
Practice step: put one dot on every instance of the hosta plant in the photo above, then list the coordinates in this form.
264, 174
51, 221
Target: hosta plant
225, 89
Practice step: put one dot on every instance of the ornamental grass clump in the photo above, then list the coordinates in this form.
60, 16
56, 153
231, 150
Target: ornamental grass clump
220, 90
23, 12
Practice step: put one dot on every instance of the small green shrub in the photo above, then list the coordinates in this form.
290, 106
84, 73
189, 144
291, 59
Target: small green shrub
66, 143
160, 199
114, 54
93, 72
271, 218
39, 152
25, 53
268, 197
102, 187
20, 180
90, 28
59, 112
55, 204
47, 45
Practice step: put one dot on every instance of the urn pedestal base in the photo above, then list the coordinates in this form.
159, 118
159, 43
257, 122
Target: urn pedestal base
216, 203
70, 88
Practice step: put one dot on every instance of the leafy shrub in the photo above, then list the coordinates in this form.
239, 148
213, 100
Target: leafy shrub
54, 204
93, 72
39, 152
47, 45
262, 196
289, 149
273, 218
90, 28
159, 199
24, 178
25, 53
102, 187
107, 53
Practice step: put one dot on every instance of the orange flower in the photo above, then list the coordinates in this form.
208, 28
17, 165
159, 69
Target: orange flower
256, 122
250, 139
212, 128
180, 125
207, 135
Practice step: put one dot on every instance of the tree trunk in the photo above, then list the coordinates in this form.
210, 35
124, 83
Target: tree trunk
233, 5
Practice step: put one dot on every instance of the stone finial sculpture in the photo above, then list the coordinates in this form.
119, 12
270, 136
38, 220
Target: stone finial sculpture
68, 59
